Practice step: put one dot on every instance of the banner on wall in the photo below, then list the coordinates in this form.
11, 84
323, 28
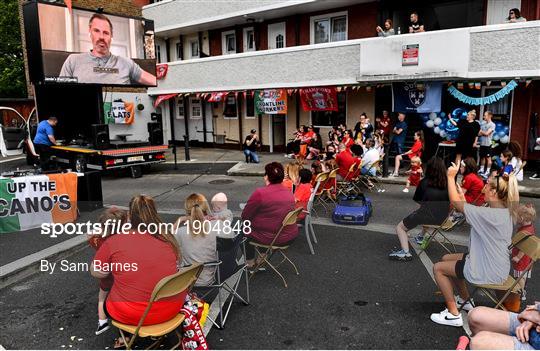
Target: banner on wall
163, 97
416, 98
217, 97
319, 99
119, 112
27, 202
271, 101
161, 70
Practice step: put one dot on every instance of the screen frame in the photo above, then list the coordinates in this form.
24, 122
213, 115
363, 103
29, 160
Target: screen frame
34, 50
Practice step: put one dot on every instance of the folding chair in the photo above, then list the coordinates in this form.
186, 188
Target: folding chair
169, 286
269, 250
329, 192
439, 230
227, 265
345, 186
308, 226
530, 246
320, 182
368, 181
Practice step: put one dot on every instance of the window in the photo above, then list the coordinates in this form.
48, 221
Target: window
196, 108
329, 28
331, 118
229, 42
194, 48
230, 109
180, 108
158, 53
249, 39
178, 51
280, 42
250, 105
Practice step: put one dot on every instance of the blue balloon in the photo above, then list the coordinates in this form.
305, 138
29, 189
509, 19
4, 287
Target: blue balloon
459, 113
501, 134
450, 128
442, 114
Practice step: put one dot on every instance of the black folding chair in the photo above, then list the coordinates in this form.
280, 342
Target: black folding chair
231, 261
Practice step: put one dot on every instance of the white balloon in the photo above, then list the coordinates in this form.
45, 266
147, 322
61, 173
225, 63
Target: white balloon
496, 137
429, 124
437, 130
505, 139
437, 121
442, 134
432, 116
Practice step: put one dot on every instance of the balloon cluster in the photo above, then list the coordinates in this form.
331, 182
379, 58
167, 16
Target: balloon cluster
442, 126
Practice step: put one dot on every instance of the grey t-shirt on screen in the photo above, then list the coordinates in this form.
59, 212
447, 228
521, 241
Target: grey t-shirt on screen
111, 69
485, 126
488, 261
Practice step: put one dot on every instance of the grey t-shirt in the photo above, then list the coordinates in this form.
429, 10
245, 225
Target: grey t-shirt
488, 261
485, 126
111, 69
199, 248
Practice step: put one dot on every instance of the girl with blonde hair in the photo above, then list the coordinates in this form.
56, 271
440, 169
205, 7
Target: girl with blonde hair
491, 233
196, 233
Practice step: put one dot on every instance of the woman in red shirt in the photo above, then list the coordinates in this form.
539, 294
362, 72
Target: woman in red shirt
415, 151
138, 261
472, 184
347, 139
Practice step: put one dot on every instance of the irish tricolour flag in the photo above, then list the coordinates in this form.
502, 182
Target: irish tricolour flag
27, 202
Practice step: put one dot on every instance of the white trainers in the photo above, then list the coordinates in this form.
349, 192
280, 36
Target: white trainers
447, 318
467, 306
406, 190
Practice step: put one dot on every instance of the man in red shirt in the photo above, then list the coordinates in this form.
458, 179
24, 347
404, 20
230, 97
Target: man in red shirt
384, 124
345, 160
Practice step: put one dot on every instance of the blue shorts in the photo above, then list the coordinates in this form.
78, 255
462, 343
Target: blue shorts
518, 345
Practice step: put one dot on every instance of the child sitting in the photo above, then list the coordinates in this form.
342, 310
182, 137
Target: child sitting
291, 175
109, 219
303, 191
526, 214
316, 169
502, 166
415, 173
220, 212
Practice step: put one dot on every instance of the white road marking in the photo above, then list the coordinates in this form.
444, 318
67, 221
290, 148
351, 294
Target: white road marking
13, 159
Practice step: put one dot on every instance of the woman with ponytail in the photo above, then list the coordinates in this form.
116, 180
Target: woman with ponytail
487, 261
196, 234
138, 259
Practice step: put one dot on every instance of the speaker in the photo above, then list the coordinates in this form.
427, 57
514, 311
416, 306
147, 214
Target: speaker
155, 133
89, 193
100, 136
156, 117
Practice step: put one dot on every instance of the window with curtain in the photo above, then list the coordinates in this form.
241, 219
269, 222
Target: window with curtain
230, 109
329, 29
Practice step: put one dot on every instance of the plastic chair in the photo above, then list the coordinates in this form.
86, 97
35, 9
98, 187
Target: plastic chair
308, 226
169, 286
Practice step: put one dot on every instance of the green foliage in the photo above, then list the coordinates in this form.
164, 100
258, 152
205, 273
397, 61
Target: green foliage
12, 77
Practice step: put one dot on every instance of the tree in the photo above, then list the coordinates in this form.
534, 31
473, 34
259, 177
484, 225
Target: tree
12, 76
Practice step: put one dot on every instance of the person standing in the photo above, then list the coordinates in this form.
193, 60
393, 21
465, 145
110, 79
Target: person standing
399, 132
416, 26
388, 29
487, 128
384, 124
468, 136
43, 141
250, 147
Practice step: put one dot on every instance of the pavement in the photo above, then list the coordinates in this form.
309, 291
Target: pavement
348, 295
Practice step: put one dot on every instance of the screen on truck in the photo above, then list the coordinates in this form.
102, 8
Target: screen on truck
90, 47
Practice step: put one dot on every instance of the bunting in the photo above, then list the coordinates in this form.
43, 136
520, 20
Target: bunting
485, 100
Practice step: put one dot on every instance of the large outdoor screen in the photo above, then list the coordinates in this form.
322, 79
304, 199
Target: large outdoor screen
89, 47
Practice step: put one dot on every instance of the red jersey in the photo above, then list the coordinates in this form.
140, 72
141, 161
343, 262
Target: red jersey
386, 130
415, 176
345, 160
301, 197
416, 149
348, 142
524, 262
474, 186
140, 261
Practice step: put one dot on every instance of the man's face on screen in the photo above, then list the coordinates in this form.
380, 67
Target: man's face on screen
101, 36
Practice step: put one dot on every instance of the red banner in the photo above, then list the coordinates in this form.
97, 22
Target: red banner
161, 70
217, 97
319, 99
162, 98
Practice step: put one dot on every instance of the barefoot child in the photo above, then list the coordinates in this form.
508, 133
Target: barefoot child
415, 173
112, 216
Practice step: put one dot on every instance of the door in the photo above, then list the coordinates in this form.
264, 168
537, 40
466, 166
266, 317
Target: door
276, 35
278, 133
